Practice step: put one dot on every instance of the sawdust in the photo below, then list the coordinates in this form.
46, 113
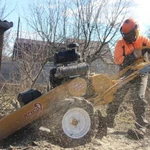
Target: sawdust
116, 139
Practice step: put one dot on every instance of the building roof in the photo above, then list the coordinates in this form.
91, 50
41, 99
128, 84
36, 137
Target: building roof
29, 45
33, 46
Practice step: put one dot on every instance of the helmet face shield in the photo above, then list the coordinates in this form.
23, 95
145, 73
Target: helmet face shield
130, 36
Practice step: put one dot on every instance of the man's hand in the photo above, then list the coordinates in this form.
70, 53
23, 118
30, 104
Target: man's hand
137, 53
129, 59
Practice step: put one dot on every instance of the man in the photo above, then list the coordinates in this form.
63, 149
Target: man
126, 52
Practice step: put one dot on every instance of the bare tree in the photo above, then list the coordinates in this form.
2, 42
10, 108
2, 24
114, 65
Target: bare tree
31, 57
93, 24
81, 20
5, 9
48, 20
98, 21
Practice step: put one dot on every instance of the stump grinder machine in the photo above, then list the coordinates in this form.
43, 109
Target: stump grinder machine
69, 110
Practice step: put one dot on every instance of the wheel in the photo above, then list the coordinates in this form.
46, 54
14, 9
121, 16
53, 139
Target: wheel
72, 122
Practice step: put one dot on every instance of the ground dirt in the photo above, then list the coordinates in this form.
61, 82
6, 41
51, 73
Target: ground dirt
116, 139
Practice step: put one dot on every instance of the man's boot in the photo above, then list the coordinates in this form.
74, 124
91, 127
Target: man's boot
148, 126
110, 121
136, 134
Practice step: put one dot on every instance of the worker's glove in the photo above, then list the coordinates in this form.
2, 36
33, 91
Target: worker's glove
129, 59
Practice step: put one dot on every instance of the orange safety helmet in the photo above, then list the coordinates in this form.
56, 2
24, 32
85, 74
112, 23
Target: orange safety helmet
129, 30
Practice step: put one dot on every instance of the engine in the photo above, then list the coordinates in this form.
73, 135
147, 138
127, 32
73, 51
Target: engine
67, 65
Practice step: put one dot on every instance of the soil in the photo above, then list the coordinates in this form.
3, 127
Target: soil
116, 139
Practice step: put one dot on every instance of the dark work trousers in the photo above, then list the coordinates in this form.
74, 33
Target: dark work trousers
138, 88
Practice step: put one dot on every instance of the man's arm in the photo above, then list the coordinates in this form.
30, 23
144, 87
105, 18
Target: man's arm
120, 56
118, 53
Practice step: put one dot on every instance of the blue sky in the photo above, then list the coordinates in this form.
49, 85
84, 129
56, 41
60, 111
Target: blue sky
20, 9
19, 6
140, 12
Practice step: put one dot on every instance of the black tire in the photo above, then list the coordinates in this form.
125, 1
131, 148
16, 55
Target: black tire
56, 127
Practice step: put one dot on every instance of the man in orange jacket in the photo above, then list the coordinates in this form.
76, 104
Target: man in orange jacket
126, 52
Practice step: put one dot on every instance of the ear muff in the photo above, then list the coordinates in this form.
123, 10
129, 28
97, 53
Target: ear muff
136, 29
137, 32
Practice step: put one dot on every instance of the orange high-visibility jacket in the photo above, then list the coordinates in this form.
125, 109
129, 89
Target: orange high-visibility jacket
125, 48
